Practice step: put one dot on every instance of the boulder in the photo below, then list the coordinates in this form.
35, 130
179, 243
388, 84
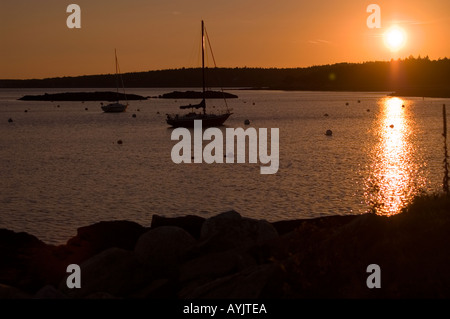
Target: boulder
229, 230
49, 292
91, 240
100, 295
162, 288
114, 271
215, 265
27, 263
190, 223
8, 292
163, 247
247, 284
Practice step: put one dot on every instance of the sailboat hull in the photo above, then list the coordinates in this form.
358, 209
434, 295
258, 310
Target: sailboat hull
208, 120
114, 108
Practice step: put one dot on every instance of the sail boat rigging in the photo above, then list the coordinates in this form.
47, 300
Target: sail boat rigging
117, 107
208, 119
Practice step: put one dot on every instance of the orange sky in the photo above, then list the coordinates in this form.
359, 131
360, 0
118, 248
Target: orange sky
157, 34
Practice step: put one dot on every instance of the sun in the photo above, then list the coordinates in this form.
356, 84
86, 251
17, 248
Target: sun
394, 38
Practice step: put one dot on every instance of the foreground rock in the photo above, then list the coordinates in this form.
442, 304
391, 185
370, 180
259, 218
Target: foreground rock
163, 246
114, 271
229, 230
230, 256
29, 264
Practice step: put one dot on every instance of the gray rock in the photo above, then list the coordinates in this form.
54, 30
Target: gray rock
163, 246
229, 230
159, 288
8, 292
101, 295
215, 265
114, 271
247, 284
190, 223
49, 292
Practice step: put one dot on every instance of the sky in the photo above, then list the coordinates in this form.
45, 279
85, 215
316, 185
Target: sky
165, 34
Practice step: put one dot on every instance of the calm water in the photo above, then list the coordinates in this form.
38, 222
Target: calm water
62, 168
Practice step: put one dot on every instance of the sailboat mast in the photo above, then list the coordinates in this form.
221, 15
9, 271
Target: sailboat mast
117, 75
203, 65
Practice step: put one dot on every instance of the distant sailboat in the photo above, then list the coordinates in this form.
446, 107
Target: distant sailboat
208, 119
116, 107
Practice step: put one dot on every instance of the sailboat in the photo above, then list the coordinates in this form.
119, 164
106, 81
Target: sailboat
208, 119
116, 107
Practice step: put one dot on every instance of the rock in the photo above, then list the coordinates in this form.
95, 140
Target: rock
114, 271
247, 284
100, 295
49, 292
164, 246
159, 288
8, 292
190, 223
229, 230
27, 263
214, 265
329, 133
312, 224
92, 239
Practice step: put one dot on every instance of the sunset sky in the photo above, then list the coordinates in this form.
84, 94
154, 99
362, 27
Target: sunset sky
157, 34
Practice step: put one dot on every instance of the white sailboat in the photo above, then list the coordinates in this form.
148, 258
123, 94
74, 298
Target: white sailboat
117, 107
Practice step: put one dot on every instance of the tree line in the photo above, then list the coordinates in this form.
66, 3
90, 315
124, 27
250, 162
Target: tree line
410, 74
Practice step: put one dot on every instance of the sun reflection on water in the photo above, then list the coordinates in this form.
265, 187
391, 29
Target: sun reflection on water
393, 179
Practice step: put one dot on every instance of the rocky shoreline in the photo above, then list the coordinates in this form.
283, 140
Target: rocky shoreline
229, 256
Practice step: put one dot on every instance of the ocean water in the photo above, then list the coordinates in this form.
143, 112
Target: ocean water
61, 166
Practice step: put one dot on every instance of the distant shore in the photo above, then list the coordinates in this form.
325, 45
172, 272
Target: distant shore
423, 92
83, 96
197, 95
413, 77
113, 96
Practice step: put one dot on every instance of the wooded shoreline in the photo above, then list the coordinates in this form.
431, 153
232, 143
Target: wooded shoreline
412, 77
